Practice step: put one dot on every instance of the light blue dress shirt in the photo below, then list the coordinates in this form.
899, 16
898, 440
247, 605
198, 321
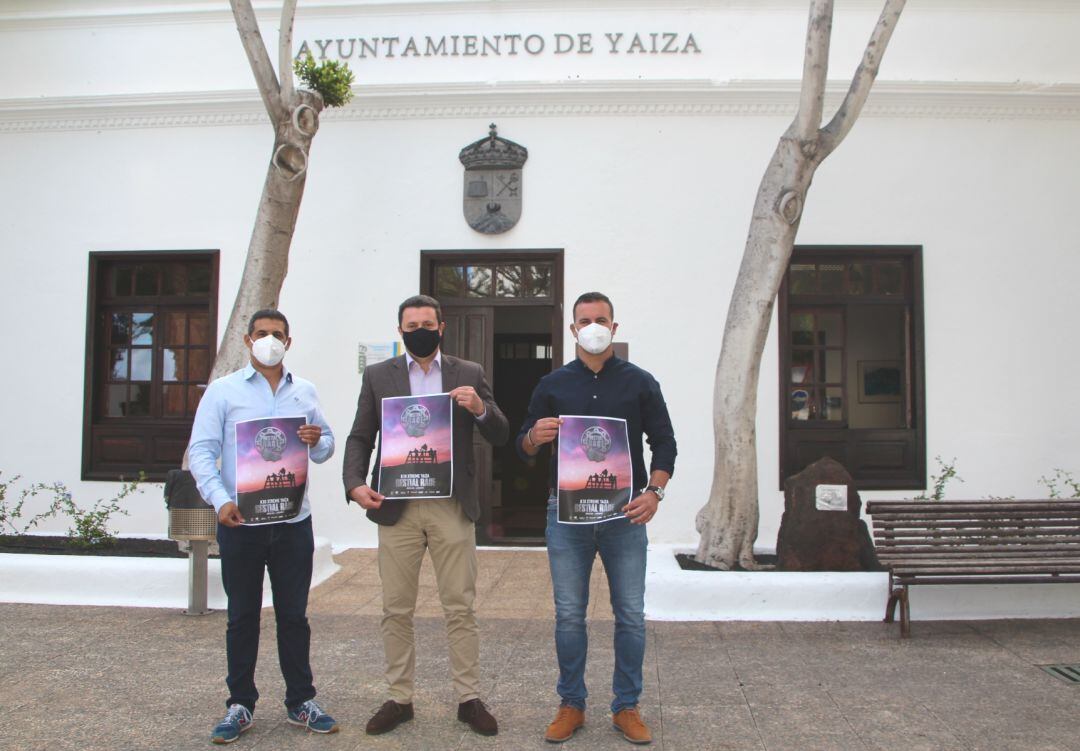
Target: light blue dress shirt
246, 395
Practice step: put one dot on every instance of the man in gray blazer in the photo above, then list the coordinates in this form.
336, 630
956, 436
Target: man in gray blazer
444, 527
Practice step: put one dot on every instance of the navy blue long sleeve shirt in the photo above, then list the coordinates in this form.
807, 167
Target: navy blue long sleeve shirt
620, 389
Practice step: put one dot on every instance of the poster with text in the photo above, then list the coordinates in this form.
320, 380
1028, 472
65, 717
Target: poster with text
595, 475
271, 469
417, 459
370, 353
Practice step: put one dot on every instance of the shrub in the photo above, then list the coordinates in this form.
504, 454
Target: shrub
11, 511
332, 79
89, 527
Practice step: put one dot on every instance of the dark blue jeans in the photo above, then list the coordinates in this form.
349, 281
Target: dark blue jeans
571, 551
286, 551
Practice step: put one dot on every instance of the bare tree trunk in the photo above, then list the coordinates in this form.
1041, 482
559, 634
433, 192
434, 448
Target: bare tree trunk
294, 113
295, 117
268, 252
728, 522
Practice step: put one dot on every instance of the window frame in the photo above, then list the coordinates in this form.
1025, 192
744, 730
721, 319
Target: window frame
911, 297
432, 260
94, 376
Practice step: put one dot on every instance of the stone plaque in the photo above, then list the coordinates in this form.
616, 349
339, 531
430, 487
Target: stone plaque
493, 183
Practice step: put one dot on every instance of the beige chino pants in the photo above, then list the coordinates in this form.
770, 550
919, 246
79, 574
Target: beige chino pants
440, 527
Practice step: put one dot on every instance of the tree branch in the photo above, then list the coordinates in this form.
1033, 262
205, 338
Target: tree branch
265, 80
845, 117
285, 58
815, 69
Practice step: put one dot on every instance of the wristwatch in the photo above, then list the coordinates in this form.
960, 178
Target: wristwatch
656, 489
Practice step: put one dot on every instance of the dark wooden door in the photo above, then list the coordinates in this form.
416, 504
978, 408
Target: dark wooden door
470, 335
513, 297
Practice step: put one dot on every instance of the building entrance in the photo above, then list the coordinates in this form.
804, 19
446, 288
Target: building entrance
503, 310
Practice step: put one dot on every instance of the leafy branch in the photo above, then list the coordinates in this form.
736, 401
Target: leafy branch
11, 512
946, 472
1068, 484
332, 79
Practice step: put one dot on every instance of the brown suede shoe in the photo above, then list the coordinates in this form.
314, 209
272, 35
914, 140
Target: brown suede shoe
566, 723
629, 723
477, 716
390, 715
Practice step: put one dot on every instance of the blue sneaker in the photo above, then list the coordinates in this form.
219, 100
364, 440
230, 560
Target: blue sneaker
237, 720
313, 717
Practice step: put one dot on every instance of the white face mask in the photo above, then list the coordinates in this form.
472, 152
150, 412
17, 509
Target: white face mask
268, 350
594, 338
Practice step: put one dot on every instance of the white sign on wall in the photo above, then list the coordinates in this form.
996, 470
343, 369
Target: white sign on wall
370, 353
831, 498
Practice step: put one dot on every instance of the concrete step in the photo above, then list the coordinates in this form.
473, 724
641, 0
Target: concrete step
124, 582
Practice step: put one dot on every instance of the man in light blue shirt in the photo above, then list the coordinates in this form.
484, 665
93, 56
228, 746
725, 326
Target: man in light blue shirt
262, 389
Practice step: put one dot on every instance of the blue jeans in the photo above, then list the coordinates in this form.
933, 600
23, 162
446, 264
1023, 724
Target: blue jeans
571, 551
286, 551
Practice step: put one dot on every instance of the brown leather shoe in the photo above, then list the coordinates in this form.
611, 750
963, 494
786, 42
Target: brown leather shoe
390, 715
477, 716
566, 723
629, 723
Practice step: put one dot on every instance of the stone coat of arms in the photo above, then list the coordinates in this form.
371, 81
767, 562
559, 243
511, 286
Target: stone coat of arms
493, 166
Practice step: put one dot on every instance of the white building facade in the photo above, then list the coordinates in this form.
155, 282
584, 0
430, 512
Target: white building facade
928, 312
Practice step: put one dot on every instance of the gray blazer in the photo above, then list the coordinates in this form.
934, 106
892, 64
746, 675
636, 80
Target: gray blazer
391, 378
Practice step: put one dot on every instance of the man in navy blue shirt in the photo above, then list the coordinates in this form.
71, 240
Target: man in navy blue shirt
599, 384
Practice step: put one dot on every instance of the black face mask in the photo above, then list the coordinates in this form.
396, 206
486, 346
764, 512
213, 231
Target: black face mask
422, 342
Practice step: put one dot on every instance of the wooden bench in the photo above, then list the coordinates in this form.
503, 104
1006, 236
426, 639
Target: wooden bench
974, 542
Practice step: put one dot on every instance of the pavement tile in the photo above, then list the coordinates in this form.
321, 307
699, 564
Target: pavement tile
748, 631
676, 691
789, 698
1033, 740
882, 725
814, 727
723, 728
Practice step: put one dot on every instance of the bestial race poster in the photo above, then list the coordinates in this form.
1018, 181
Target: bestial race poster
595, 475
417, 449
271, 469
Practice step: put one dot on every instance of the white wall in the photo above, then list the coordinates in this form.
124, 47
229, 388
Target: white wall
654, 200
108, 47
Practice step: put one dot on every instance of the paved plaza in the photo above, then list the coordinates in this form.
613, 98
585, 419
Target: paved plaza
128, 678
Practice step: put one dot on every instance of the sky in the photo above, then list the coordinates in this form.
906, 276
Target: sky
252, 469
575, 466
396, 443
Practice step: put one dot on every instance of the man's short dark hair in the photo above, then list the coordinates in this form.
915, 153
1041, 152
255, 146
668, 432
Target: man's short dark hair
273, 315
420, 301
593, 297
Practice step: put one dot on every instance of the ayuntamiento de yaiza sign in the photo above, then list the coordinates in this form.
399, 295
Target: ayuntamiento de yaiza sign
509, 45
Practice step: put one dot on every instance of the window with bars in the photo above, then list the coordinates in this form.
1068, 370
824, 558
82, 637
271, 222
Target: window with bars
887, 278
817, 364
506, 280
852, 364
151, 343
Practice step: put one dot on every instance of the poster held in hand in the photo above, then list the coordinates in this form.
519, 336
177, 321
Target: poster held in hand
595, 475
271, 469
417, 449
